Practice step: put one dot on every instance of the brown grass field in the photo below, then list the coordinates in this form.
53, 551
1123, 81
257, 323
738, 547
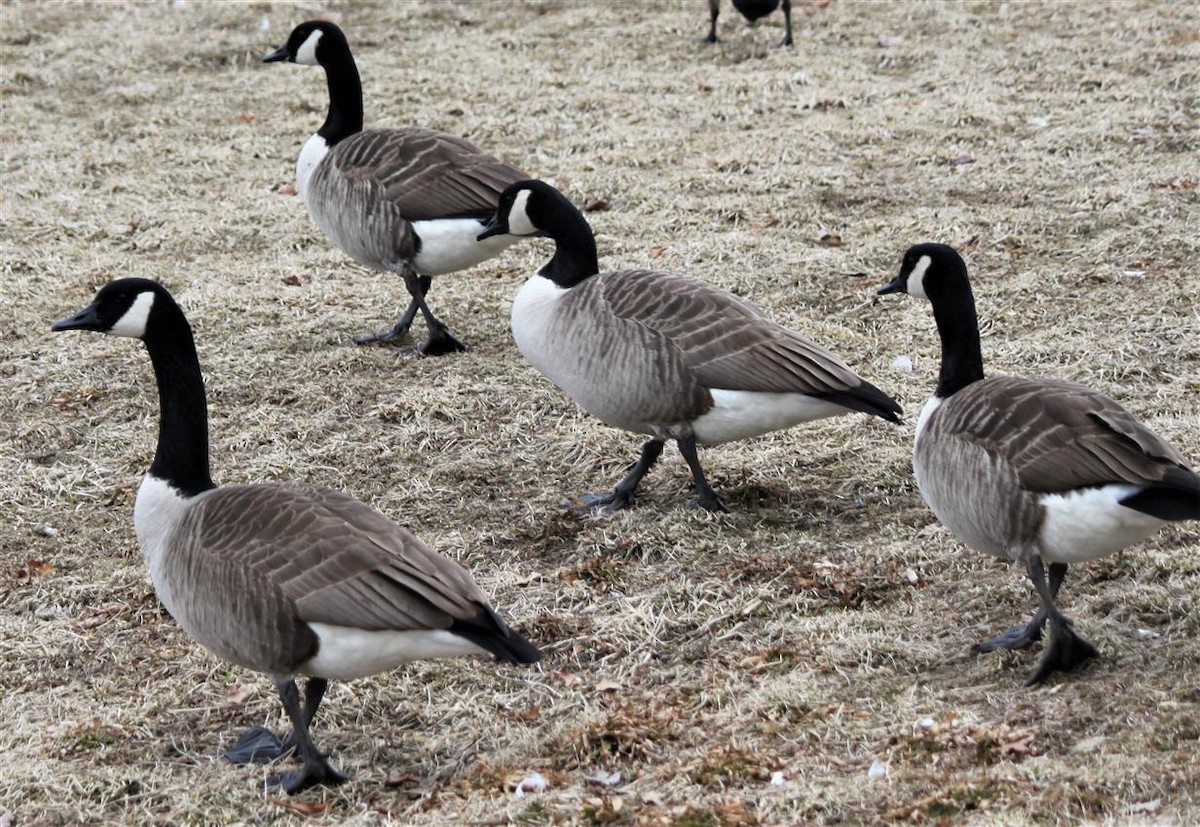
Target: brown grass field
738, 669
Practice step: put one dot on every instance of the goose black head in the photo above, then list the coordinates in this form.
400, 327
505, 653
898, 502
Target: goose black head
121, 308
308, 42
525, 209
926, 270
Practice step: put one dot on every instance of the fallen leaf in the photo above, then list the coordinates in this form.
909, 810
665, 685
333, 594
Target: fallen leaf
607, 685
599, 205
655, 252
286, 189
294, 281
246, 117
831, 240
39, 568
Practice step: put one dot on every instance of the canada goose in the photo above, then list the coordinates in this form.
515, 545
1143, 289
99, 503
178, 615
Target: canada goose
409, 201
1032, 470
664, 354
752, 10
282, 579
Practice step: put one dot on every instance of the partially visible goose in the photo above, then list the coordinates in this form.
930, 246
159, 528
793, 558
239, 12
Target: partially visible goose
663, 354
1032, 470
282, 579
409, 201
752, 10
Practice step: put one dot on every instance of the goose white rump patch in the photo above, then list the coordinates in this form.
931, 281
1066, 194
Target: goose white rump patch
451, 244
1084, 525
744, 414
346, 653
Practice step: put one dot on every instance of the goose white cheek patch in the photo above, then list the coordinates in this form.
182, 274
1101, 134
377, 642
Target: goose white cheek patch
916, 279
307, 53
133, 322
518, 218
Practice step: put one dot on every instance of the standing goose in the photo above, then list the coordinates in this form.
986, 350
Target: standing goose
664, 354
752, 10
1032, 470
282, 579
409, 201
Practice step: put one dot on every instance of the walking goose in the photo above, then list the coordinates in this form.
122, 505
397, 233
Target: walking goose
664, 354
752, 10
282, 579
1032, 470
409, 201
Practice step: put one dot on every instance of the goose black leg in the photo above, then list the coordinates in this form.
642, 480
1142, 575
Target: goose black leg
787, 21
401, 327
713, 11
1066, 650
709, 499
1021, 637
440, 340
316, 769
622, 495
258, 745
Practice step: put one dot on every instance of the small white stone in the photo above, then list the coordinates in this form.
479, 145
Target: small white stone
878, 770
777, 779
903, 364
533, 783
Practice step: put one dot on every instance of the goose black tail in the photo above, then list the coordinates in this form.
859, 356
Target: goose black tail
488, 631
1176, 497
866, 398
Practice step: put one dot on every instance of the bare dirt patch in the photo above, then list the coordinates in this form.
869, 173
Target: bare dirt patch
741, 669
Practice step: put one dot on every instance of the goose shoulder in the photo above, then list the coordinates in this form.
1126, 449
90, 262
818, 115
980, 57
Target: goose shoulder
422, 173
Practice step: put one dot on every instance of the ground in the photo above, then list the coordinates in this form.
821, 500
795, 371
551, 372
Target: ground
804, 659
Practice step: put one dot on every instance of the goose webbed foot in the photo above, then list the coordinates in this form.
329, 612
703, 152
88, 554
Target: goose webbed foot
706, 498
712, 502
1018, 637
613, 501
259, 745
1065, 652
439, 343
384, 337
315, 774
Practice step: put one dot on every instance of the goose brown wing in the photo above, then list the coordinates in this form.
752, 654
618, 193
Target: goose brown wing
335, 559
728, 343
1058, 435
426, 174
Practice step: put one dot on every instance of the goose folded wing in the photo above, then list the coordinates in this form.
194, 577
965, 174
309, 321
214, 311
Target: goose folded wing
426, 174
340, 562
725, 340
1059, 436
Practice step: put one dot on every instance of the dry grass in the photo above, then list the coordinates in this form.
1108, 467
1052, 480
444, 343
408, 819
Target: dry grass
696, 656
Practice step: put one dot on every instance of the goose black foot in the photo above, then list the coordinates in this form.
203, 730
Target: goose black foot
615, 501
439, 343
1018, 637
259, 745
382, 337
711, 501
299, 780
1065, 652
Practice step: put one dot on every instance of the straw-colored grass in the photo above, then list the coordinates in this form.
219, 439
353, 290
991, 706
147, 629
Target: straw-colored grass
741, 669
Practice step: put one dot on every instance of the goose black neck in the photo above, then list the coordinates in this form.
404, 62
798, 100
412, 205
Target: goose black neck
575, 256
345, 117
182, 455
958, 327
